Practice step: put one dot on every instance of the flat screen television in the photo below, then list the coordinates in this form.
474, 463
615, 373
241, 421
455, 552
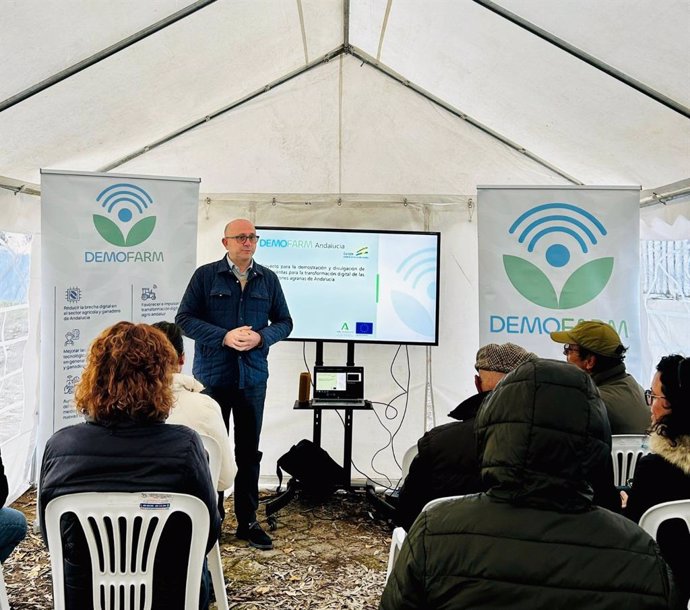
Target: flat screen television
357, 285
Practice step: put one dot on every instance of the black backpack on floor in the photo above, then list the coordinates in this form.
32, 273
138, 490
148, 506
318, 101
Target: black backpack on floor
316, 472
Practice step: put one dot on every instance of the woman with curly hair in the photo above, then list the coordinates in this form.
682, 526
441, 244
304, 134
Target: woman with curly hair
125, 395
664, 474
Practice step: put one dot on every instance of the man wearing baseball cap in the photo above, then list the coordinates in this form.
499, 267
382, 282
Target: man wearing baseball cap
596, 348
447, 463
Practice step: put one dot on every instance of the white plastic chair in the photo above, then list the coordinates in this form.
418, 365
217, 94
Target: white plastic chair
410, 455
215, 565
626, 449
399, 534
4, 602
396, 544
123, 573
656, 515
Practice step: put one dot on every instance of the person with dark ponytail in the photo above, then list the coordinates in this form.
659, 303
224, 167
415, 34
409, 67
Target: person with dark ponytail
664, 474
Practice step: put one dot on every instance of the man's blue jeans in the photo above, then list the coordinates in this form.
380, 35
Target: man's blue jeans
12, 531
247, 408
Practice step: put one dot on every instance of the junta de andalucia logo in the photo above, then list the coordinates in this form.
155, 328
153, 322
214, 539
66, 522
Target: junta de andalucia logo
123, 202
572, 227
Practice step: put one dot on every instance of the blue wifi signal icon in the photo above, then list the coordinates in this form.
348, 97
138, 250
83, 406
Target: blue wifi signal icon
128, 196
558, 255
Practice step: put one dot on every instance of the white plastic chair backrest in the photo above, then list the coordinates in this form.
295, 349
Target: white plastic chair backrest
4, 602
215, 564
397, 540
626, 449
410, 455
656, 515
213, 450
122, 572
399, 534
436, 501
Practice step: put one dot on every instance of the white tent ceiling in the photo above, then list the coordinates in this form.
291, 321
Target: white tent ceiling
345, 126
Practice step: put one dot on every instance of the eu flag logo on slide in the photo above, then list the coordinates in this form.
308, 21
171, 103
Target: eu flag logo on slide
364, 328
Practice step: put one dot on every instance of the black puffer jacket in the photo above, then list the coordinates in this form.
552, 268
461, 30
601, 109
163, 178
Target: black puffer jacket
534, 540
446, 464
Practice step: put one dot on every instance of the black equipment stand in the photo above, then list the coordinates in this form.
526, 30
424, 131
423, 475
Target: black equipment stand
347, 445
275, 504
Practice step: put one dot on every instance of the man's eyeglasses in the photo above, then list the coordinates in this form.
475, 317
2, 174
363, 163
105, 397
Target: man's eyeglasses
567, 348
649, 397
240, 239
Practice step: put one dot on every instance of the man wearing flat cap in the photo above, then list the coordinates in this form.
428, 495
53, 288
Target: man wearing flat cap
447, 463
596, 348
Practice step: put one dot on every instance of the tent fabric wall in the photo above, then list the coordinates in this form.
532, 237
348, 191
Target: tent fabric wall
21, 214
665, 320
670, 221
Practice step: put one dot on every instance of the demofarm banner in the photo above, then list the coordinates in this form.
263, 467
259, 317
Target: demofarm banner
552, 256
114, 247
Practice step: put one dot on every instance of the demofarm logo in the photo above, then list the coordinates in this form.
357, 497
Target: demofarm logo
578, 228
123, 201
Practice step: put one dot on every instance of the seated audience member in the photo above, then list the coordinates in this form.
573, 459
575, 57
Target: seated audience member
12, 522
596, 348
447, 462
664, 474
124, 446
534, 539
198, 411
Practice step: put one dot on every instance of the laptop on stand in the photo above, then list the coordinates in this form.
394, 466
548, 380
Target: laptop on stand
338, 385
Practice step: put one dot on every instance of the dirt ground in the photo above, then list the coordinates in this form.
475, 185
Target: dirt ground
328, 555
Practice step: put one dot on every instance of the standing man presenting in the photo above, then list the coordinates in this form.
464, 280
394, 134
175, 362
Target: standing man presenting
234, 309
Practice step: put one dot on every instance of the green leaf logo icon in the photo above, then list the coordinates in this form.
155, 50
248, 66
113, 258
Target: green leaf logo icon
586, 283
530, 281
141, 231
108, 230
581, 287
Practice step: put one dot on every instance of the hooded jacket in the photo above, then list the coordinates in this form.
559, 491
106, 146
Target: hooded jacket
534, 539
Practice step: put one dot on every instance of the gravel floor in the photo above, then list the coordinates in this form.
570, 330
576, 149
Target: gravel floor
328, 555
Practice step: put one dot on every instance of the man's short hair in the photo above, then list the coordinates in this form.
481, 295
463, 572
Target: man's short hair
502, 358
174, 334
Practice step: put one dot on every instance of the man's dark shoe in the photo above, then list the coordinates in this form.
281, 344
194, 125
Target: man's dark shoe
255, 535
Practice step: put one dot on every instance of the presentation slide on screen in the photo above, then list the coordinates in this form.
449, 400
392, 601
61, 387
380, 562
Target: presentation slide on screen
331, 381
356, 286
